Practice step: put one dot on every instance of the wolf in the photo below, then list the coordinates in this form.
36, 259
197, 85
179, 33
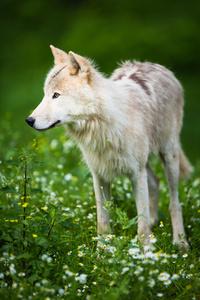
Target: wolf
118, 122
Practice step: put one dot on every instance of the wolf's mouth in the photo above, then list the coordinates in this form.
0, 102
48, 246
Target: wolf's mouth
57, 123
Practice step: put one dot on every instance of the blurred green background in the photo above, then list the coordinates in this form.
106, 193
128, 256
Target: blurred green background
108, 31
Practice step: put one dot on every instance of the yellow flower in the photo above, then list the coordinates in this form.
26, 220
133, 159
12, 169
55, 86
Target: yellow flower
44, 208
161, 224
112, 283
25, 204
188, 287
34, 235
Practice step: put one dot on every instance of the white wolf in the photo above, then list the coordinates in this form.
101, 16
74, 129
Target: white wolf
117, 122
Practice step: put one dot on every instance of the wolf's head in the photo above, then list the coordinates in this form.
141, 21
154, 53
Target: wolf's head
68, 93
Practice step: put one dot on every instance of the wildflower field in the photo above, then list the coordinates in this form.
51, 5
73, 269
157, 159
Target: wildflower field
48, 237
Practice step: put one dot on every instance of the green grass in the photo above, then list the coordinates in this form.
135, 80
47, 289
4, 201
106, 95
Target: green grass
48, 230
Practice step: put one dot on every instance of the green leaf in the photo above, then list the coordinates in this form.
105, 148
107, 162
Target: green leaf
6, 237
25, 255
7, 190
67, 224
39, 163
33, 278
28, 180
131, 222
52, 212
12, 162
36, 191
26, 222
42, 242
64, 236
100, 240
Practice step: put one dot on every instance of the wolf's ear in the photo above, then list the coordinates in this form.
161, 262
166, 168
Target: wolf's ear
59, 55
78, 65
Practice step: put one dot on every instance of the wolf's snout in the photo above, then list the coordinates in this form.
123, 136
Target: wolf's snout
30, 121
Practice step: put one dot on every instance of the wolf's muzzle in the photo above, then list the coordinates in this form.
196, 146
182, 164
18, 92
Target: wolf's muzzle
30, 121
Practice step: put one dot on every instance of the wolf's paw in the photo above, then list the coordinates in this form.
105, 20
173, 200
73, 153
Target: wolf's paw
182, 243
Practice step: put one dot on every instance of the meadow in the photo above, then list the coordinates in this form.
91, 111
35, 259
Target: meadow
48, 238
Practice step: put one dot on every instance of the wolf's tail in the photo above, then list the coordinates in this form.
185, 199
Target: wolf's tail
185, 168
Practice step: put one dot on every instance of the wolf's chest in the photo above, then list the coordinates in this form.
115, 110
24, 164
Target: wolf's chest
109, 163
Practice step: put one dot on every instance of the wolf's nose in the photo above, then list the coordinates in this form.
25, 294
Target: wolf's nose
30, 121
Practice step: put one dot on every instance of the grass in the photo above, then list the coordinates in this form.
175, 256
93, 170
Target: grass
48, 235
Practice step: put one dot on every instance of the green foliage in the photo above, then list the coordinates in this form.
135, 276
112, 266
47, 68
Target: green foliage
108, 31
49, 247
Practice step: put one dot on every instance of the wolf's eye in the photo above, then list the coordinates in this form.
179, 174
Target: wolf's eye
55, 95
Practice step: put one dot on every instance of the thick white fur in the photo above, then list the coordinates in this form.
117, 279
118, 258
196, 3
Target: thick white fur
117, 122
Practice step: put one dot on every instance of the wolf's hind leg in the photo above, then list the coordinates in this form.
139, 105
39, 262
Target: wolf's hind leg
153, 186
171, 165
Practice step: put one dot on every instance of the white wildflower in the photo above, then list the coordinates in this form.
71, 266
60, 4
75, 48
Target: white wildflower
152, 282
90, 216
167, 282
12, 269
68, 177
163, 276
175, 276
128, 195
45, 281
53, 144
69, 273
124, 270
49, 259
152, 238
160, 295
112, 248
133, 251
82, 278
191, 266
141, 278
44, 257
61, 292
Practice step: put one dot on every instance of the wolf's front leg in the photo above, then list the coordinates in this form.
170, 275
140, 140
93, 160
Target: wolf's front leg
102, 193
140, 190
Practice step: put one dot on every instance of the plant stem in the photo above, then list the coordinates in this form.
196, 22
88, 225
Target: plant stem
47, 236
24, 216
